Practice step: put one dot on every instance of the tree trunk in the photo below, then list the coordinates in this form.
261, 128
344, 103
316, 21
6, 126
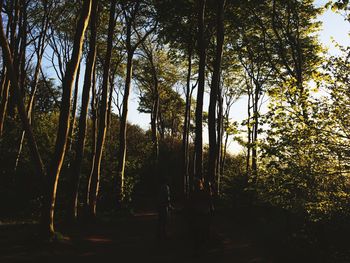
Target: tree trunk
4, 101
249, 133
154, 112
110, 99
80, 144
94, 109
223, 159
154, 118
5, 87
220, 134
200, 92
102, 125
14, 47
123, 120
185, 137
40, 52
255, 132
34, 153
214, 92
22, 64
74, 111
123, 126
65, 111
22, 49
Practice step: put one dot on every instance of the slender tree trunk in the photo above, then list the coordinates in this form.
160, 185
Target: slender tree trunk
220, 134
123, 126
154, 112
102, 125
185, 137
214, 92
80, 144
110, 99
3, 78
123, 119
40, 52
94, 109
34, 153
63, 128
255, 131
74, 111
160, 126
4, 101
249, 133
14, 47
11, 30
200, 92
2, 82
154, 118
223, 159
191, 172
23, 37
22, 64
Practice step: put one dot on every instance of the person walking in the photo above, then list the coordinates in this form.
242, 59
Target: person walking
164, 206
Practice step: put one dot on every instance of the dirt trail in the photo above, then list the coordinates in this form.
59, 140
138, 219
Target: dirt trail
132, 239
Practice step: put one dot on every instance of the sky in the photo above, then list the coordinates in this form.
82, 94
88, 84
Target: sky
334, 28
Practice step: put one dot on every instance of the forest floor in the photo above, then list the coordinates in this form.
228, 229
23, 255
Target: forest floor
132, 238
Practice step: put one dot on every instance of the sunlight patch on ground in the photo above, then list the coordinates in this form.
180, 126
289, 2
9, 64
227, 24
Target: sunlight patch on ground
99, 239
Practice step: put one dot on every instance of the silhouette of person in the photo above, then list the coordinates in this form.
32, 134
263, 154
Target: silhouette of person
201, 211
163, 209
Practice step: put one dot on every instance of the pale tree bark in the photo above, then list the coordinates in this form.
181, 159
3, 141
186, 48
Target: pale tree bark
75, 169
102, 124
74, 111
65, 111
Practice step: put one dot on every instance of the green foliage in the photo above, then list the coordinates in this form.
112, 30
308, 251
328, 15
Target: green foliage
167, 74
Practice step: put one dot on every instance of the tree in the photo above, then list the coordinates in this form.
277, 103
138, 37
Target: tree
54, 168
177, 21
102, 124
214, 95
201, 41
16, 10
35, 155
156, 75
80, 144
39, 47
138, 27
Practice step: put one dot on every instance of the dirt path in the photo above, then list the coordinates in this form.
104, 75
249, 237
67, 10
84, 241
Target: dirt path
132, 239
